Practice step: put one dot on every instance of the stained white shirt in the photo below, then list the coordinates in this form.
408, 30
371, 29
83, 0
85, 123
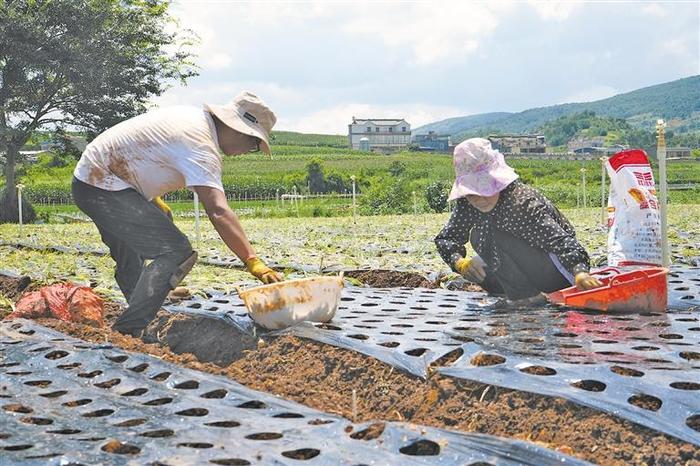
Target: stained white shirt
155, 153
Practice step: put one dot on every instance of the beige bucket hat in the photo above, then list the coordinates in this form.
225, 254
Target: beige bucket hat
249, 115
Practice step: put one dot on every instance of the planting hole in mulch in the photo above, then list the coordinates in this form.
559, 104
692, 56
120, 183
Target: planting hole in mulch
17, 408
372, 432
538, 370
626, 371
484, 359
421, 448
231, 462
648, 402
694, 422
302, 453
119, 448
589, 385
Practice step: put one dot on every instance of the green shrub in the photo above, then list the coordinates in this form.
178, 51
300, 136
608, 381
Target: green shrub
436, 194
386, 196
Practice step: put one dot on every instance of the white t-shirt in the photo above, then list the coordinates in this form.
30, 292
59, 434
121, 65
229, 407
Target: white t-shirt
155, 153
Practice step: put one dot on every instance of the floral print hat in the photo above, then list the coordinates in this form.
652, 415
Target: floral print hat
480, 170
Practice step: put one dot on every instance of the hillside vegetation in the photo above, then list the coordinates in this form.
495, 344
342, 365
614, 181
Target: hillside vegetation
677, 101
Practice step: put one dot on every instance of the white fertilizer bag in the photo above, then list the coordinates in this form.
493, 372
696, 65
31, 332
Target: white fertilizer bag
634, 223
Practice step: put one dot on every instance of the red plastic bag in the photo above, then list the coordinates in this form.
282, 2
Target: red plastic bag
64, 301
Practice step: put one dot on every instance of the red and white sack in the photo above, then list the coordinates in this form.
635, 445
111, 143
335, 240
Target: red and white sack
634, 222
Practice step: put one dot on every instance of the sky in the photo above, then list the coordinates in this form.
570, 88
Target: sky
319, 63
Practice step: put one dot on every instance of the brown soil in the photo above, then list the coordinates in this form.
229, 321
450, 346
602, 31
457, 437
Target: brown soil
396, 279
324, 378
12, 288
483, 359
390, 279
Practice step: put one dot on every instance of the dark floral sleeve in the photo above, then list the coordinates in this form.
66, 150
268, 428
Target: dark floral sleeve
548, 230
451, 240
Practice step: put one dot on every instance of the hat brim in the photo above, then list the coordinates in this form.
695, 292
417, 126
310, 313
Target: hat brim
240, 124
468, 185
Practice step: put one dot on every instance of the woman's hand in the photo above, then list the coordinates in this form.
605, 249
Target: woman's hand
472, 269
585, 281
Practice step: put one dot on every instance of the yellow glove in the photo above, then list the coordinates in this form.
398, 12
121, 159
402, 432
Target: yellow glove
472, 269
584, 281
160, 203
262, 272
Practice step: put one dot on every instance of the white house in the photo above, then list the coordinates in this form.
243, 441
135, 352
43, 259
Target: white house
379, 134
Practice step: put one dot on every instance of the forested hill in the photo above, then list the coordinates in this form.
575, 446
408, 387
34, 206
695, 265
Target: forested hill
676, 101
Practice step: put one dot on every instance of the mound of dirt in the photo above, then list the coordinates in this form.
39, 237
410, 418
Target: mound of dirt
391, 279
397, 279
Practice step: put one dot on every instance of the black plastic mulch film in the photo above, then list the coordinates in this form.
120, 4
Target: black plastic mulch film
64, 401
644, 367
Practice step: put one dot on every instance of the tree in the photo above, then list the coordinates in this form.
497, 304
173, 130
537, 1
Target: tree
315, 177
81, 63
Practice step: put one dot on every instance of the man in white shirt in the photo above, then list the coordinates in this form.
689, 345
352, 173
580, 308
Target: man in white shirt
142, 158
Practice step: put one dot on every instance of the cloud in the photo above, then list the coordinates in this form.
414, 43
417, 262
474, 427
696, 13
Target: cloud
200, 92
268, 14
682, 50
213, 52
654, 9
590, 94
428, 31
335, 120
551, 10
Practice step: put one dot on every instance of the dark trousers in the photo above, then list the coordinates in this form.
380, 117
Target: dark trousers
524, 271
136, 231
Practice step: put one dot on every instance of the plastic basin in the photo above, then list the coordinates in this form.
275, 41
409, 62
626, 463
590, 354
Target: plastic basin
284, 304
643, 290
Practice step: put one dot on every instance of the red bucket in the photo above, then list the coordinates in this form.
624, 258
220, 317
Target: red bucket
640, 290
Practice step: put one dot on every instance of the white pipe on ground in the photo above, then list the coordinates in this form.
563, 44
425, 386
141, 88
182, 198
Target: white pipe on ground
20, 187
663, 191
196, 217
354, 205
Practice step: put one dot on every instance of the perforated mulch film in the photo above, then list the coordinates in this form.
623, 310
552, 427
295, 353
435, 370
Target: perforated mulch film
65, 401
644, 367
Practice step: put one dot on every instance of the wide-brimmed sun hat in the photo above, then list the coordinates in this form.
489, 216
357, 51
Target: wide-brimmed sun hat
249, 115
479, 170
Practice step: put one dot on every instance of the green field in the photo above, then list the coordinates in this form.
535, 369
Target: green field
258, 176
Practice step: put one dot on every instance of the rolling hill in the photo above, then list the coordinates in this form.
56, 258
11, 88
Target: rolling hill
676, 101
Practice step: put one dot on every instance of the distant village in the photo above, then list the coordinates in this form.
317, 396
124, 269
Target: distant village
385, 136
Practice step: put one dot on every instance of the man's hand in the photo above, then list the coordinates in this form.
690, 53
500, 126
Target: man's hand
584, 281
160, 203
262, 272
473, 269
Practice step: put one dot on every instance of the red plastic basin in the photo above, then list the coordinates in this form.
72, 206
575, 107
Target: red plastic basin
641, 290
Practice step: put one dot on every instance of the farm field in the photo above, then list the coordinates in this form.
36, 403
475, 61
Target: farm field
377, 242
349, 381
256, 176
